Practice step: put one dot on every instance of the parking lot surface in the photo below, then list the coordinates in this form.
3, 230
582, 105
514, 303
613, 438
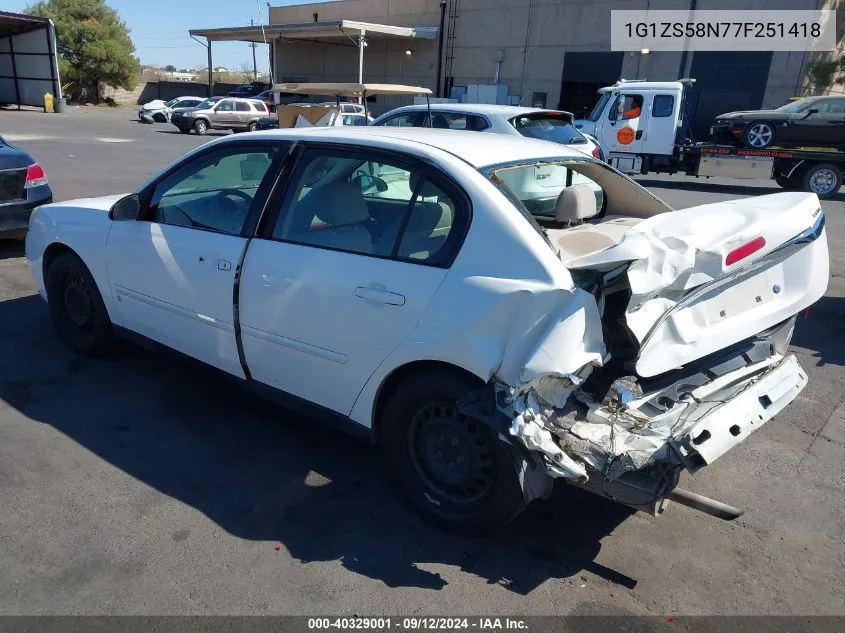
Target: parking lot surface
146, 484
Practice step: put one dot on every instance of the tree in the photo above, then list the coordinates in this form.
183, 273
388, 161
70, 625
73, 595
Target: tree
93, 46
170, 68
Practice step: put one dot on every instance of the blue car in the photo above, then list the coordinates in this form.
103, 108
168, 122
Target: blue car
23, 186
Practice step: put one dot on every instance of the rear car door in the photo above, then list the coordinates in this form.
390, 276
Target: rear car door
172, 271
243, 113
344, 271
659, 122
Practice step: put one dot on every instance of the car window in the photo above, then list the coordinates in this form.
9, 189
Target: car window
259, 107
373, 207
662, 106
226, 106
241, 106
830, 106
353, 119
538, 186
549, 127
457, 121
212, 192
626, 107
408, 119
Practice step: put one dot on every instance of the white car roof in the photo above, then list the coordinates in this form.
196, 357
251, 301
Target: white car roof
479, 150
488, 109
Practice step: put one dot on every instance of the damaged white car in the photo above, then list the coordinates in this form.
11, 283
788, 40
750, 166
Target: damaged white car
397, 278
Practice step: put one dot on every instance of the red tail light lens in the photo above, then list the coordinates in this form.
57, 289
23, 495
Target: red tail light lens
738, 254
596, 153
35, 176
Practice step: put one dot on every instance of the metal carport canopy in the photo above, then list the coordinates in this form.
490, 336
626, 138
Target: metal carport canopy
28, 64
357, 32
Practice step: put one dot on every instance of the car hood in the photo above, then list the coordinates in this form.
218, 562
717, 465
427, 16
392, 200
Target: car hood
102, 203
156, 104
749, 115
13, 158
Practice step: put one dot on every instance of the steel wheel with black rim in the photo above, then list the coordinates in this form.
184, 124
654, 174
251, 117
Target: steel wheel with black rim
759, 135
77, 307
451, 466
824, 179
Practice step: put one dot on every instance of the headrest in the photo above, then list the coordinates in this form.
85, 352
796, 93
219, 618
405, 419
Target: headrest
428, 190
338, 203
576, 203
428, 217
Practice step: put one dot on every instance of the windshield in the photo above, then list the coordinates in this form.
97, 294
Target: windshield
171, 102
207, 104
796, 106
595, 115
548, 126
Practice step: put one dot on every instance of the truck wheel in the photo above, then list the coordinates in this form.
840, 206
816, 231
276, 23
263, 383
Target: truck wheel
201, 127
451, 467
759, 135
823, 180
77, 308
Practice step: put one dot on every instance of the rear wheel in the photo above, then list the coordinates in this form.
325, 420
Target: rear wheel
452, 467
823, 179
77, 307
252, 126
201, 127
759, 135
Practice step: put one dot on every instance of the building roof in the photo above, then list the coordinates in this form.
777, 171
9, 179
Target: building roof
479, 150
336, 29
15, 23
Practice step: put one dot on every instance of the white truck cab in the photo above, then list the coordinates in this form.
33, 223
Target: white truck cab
636, 119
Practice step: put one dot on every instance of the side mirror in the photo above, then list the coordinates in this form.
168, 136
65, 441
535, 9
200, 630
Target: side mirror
127, 208
811, 112
369, 184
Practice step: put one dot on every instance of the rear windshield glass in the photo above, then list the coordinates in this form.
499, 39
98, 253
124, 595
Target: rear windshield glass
548, 127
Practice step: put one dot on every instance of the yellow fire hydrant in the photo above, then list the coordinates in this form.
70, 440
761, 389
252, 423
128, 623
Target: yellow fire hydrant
48, 102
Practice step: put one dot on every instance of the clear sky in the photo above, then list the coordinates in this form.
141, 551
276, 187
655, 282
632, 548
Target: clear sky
159, 29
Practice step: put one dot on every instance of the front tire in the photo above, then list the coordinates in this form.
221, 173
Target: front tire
759, 135
201, 127
824, 180
77, 307
452, 468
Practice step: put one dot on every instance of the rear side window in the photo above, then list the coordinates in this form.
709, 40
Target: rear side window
409, 119
240, 106
458, 121
662, 106
259, 107
548, 127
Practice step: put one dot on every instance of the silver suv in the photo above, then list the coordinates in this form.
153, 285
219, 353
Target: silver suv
221, 113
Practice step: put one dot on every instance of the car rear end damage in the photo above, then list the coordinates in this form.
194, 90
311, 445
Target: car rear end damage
692, 357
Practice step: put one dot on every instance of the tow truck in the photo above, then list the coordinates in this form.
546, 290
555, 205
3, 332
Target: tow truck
646, 128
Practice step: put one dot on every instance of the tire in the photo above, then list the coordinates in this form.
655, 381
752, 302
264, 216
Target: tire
77, 307
253, 125
759, 135
823, 179
425, 441
158, 117
201, 127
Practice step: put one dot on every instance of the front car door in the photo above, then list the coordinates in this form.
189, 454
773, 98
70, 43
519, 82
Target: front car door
343, 273
172, 271
224, 116
827, 126
625, 122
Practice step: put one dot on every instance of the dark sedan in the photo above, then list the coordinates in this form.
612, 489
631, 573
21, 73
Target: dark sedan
23, 186
812, 121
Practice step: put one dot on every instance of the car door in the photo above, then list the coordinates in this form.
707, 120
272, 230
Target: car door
225, 116
172, 271
242, 113
827, 126
625, 123
345, 271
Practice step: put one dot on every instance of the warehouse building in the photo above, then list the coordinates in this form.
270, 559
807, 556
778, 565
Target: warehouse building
550, 53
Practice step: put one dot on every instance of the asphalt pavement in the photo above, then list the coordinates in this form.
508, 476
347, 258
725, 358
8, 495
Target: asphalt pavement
143, 484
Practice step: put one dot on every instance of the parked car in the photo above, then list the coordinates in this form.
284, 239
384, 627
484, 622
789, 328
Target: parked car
335, 120
220, 113
250, 90
160, 111
811, 122
395, 279
549, 125
23, 186
351, 108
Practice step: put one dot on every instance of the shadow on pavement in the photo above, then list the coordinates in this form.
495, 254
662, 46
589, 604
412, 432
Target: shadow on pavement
708, 187
11, 248
265, 474
823, 331
209, 133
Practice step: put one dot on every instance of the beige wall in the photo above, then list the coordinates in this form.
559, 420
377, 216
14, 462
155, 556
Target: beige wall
534, 35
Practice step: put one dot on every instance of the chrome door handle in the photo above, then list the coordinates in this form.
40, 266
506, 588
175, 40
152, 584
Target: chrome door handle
379, 296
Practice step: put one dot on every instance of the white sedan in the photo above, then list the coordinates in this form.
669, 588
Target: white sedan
396, 279
160, 110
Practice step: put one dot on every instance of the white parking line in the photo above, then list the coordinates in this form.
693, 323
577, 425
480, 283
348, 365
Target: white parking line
106, 139
17, 138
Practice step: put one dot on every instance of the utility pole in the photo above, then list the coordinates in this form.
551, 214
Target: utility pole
253, 45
